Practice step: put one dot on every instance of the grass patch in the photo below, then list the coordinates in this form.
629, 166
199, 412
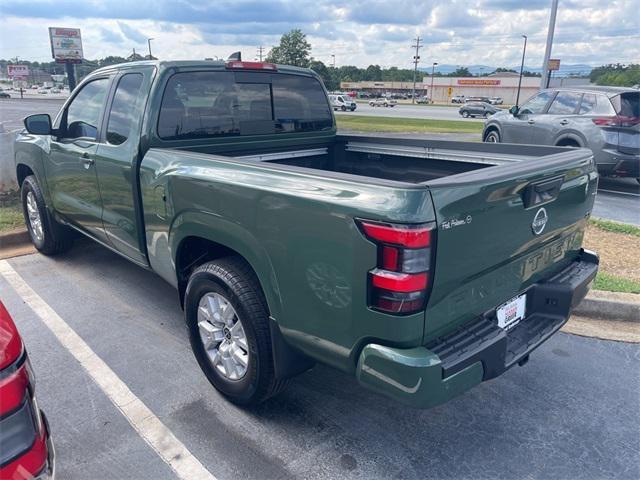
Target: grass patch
10, 212
365, 123
615, 227
612, 283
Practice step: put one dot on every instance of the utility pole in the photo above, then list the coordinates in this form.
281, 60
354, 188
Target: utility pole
433, 72
149, 43
544, 82
133, 57
416, 59
524, 50
333, 60
260, 52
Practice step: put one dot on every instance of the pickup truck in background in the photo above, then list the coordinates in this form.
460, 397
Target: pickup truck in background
420, 267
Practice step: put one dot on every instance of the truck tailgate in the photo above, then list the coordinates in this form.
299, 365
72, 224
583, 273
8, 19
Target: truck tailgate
504, 228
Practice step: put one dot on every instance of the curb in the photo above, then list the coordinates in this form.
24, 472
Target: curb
14, 237
623, 307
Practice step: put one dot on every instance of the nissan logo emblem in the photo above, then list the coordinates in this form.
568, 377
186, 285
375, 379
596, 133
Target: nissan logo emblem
539, 221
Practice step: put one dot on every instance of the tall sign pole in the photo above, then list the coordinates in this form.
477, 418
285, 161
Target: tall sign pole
66, 47
524, 51
544, 82
416, 59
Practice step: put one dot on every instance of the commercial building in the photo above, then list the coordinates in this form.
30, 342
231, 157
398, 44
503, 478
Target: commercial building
504, 85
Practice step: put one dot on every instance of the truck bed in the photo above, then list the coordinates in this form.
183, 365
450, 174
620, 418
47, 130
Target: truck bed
412, 161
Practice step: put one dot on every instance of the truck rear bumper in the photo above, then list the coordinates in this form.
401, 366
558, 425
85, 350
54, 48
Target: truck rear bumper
479, 350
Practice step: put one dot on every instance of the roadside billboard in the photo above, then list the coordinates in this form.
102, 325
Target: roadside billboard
554, 64
66, 45
17, 72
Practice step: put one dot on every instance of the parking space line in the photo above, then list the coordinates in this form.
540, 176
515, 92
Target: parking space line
142, 419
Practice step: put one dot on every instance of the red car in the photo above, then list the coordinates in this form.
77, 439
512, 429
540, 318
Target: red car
26, 450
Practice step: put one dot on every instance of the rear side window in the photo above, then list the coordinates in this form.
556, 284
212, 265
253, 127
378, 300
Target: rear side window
593, 104
627, 104
120, 119
565, 103
211, 104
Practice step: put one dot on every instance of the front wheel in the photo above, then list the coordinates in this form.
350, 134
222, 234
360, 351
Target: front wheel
229, 331
343, 108
492, 137
465, 114
47, 235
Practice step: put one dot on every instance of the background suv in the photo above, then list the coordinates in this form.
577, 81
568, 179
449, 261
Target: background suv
604, 119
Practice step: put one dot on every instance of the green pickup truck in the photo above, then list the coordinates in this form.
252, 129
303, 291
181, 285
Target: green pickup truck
421, 267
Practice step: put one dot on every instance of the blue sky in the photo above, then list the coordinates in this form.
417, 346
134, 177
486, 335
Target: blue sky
357, 32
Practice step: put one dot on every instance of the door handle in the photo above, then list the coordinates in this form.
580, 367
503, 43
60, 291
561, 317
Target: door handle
531, 122
87, 160
564, 122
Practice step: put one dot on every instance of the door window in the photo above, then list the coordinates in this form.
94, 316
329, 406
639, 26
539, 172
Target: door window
536, 104
565, 103
82, 116
120, 119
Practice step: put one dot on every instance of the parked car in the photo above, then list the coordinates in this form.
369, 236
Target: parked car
34, 87
56, 90
423, 99
478, 99
604, 119
383, 102
496, 101
4, 95
342, 102
289, 243
477, 109
26, 449
43, 91
457, 99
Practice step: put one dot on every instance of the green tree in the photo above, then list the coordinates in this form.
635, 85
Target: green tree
292, 50
325, 73
616, 74
461, 72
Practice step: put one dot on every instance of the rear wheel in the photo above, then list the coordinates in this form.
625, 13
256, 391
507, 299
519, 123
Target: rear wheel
343, 108
47, 235
465, 114
229, 331
492, 137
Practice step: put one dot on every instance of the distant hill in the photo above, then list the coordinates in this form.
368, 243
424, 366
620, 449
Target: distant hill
566, 70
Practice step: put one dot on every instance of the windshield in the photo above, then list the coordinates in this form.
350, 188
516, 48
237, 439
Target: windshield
208, 104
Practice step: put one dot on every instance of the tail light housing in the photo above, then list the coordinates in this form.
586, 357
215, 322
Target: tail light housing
400, 282
616, 121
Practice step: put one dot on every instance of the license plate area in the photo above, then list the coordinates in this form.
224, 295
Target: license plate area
510, 313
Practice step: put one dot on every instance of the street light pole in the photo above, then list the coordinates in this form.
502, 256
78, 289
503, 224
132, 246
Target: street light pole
544, 82
433, 71
149, 43
524, 50
333, 61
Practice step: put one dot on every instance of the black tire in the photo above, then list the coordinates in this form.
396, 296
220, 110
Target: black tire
234, 279
55, 238
492, 136
465, 114
343, 108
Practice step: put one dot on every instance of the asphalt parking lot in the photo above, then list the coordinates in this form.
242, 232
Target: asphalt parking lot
571, 412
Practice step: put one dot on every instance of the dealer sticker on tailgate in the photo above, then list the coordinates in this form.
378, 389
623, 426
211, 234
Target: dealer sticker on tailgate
511, 312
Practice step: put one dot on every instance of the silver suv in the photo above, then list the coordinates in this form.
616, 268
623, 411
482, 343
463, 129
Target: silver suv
604, 119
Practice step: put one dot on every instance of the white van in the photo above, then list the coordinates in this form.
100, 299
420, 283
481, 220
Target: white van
342, 102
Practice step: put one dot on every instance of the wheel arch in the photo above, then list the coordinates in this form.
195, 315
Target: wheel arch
198, 238
569, 139
492, 127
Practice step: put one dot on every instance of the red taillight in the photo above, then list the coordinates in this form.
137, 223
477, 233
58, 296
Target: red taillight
13, 388
401, 279
616, 121
239, 65
403, 235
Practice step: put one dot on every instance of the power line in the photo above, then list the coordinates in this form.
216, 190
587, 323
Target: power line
416, 59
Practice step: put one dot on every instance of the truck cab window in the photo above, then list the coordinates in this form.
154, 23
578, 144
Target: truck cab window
120, 119
212, 104
82, 116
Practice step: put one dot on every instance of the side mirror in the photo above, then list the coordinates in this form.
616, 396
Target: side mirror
514, 110
39, 124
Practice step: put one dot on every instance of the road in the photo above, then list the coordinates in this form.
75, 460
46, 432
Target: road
411, 111
618, 199
571, 412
